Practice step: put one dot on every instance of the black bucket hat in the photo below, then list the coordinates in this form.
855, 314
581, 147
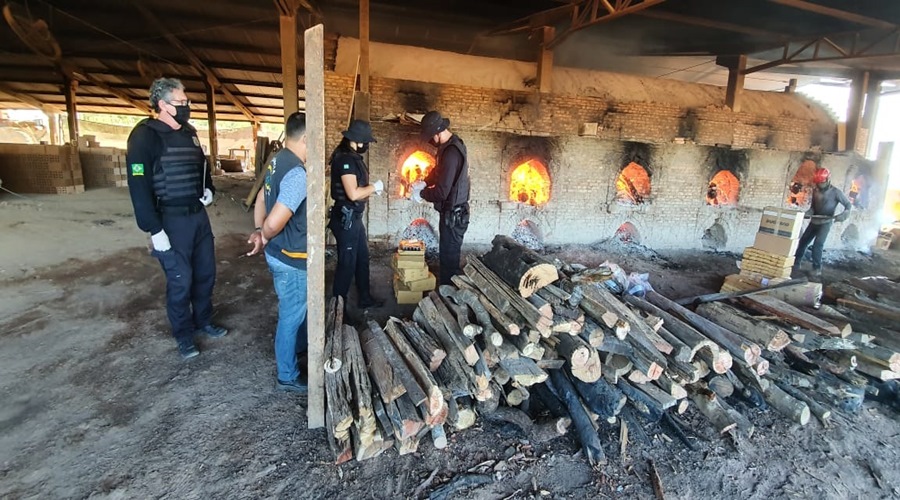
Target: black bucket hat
359, 131
433, 123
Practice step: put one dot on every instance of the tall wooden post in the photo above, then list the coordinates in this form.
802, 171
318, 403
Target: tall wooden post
70, 88
855, 107
870, 113
545, 60
736, 66
53, 122
314, 72
288, 24
362, 102
213, 131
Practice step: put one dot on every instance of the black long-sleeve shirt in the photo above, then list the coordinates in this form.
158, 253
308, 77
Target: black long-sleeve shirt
144, 149
440, 180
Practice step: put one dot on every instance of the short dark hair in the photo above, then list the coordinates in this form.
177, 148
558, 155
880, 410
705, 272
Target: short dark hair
295, 126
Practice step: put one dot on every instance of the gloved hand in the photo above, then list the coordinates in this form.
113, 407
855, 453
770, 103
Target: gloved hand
841, 217
379, 187
160, 241
417, 196
418, 186
207, 197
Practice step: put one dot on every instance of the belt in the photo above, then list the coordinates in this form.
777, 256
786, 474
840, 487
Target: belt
183, 210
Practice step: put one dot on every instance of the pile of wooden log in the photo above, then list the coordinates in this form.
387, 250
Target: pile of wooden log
515, 331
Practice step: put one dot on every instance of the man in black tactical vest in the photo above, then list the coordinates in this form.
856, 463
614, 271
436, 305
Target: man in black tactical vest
280, 218
350, 190
170, 185
447, 187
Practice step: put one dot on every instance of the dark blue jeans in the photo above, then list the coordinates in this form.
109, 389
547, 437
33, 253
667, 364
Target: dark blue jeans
190, 267
819, 233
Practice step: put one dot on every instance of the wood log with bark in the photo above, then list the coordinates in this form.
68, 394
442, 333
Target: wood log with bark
503, 322
339, 415
390, 387
362, 404
584, 427
434, 402
397, 364
425, 345
497, 290
451, 334
520, 267
763, 332
738, 346
600, 397
708, 404
770, 305
682, 331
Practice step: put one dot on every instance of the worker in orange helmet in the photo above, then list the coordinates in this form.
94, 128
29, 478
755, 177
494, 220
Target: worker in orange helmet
825, 200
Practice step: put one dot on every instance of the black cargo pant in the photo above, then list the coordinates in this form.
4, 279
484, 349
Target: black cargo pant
190, 268
818, 232
454, 224
352, 257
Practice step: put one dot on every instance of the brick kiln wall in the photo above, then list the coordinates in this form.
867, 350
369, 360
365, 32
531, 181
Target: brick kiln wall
501, 127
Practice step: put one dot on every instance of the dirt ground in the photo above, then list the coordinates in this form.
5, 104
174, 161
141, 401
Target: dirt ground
96, 402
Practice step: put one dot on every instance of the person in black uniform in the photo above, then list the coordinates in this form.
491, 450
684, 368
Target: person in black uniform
350, 189
447, 187
170, 185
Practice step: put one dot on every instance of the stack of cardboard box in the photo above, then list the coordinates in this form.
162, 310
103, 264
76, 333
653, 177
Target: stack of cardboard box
411, 274
772, 253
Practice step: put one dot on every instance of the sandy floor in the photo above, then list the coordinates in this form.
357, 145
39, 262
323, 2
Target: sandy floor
96, 403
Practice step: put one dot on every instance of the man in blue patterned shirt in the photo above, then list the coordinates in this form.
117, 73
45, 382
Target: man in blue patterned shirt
280, 218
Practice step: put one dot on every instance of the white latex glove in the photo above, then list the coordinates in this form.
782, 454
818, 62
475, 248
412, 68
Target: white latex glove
418, 186
207, 197
379, 187
417, 196
160, 241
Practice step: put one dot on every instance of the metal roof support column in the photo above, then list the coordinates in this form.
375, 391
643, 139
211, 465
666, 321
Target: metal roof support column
69, 88
855, 108
213, 132
736, 66
545, 60
288, 32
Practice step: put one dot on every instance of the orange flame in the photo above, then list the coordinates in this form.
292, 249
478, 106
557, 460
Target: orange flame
633, 185
723, 189
415, 168
530, 183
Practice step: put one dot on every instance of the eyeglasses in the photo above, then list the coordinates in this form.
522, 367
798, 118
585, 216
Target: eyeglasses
185, 102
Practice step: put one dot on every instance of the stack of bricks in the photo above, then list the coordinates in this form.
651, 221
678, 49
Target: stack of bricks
772, 253
41, 169
411, 274
103, 167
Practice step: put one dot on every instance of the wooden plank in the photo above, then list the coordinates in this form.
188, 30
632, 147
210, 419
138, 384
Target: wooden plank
315, 213
211, 118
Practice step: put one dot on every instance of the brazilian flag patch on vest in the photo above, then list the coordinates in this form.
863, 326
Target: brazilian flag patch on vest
137, 169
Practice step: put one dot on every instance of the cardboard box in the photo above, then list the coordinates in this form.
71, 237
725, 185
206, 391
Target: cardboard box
775, 244
414, 262
423, 285
763, 257
782, 222
884, 240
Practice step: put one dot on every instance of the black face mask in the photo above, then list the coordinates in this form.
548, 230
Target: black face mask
182, 114
362, 148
